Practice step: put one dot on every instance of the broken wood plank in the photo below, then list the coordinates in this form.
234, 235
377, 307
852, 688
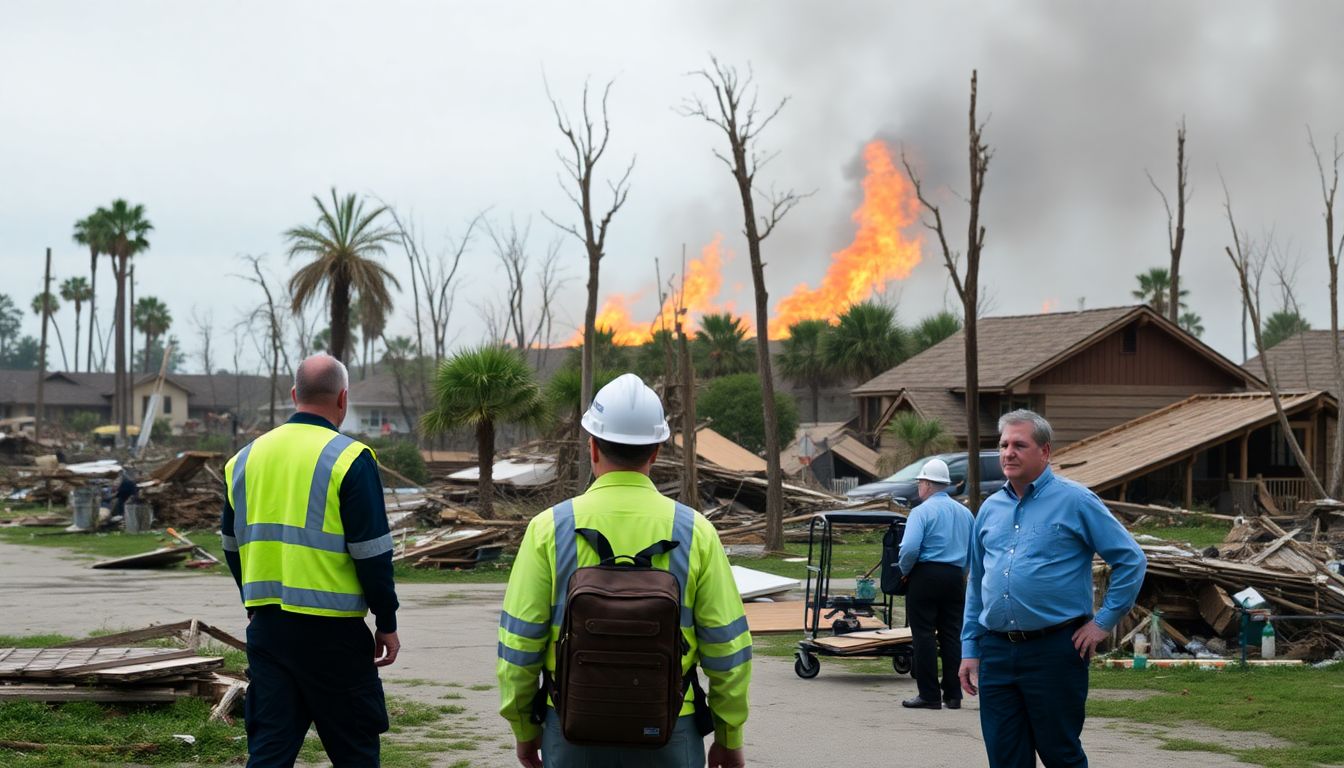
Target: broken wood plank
227, 702
110, 695
155, 559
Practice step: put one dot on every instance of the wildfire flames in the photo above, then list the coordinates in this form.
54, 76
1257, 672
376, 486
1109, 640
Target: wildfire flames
880, 253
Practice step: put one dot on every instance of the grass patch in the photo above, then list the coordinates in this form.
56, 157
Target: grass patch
104, 546
861, 550
496, 572
1198, 531
481, 687
1298, 705
142, 735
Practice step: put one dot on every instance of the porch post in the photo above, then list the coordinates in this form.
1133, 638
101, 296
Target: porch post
1190, 483
1245, 445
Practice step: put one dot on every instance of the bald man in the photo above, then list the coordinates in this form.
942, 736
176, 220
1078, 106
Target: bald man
305, 534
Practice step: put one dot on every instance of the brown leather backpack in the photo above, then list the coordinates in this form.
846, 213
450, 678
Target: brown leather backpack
618, 678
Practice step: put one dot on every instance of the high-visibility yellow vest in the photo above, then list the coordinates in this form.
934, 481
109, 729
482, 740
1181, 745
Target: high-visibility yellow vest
285, 491
629, 511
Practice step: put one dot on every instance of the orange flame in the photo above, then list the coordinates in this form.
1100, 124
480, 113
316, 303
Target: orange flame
879, 253
704, 279
1048, 306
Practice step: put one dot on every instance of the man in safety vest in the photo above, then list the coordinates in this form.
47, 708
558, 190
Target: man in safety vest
626, 425
305, 534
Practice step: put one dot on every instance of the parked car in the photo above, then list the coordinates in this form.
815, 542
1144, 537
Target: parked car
903, 488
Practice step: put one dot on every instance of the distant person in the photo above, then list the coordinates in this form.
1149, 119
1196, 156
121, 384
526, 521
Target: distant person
1029, 633
127, 491
305, 534
626, 426
933, 557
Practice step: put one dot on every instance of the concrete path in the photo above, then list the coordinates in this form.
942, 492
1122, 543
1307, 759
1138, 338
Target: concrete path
448, 655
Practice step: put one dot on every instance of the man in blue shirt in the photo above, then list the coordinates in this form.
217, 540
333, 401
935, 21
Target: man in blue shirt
1029, 631
933, 557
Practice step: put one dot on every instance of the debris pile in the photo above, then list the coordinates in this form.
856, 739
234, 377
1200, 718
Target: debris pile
116, 668
1295, 571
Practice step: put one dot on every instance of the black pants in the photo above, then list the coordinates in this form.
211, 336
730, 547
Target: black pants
307, 670
933, 605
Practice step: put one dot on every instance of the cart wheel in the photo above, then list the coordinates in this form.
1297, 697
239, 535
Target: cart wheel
806, 666
901, 664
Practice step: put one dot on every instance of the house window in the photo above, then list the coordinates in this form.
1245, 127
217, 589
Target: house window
166, 407
1280, 455
1019, 402
375, 418
1129, 343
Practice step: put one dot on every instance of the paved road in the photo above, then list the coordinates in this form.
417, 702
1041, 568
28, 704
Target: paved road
448, 636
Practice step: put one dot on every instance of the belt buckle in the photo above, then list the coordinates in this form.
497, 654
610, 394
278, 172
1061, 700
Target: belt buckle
1016, 636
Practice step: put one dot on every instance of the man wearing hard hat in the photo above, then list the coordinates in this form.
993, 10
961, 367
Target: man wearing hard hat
933, 555
626, 427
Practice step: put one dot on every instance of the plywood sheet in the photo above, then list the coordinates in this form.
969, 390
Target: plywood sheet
752, 583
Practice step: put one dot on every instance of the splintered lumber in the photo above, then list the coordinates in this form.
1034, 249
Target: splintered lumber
753, 527
1134, 511
38, 663
447, 544
858, 642
156, 631
104, 694
158, 668
228, 700
786, 616
154, 559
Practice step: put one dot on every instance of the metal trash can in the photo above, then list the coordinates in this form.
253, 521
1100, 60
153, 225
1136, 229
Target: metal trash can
84, 508
138, 517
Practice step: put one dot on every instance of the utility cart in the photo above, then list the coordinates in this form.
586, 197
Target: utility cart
846, 637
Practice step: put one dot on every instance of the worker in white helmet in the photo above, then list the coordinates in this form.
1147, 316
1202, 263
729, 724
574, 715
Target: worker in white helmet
933, 557
626, 427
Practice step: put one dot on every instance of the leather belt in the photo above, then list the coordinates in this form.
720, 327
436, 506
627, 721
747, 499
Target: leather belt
1023, 635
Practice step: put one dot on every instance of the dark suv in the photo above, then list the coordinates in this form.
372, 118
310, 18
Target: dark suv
903, 488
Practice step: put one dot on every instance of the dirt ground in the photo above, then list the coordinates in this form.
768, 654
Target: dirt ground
448, 634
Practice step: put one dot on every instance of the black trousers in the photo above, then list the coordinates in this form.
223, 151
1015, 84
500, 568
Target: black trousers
933, 605
307, 670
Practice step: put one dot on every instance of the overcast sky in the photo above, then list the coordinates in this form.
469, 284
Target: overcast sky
223, 119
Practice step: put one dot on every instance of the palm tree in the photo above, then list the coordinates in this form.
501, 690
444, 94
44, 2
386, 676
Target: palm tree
481, 388
92, 231
1192, 323
721, 347
802, 359
867, 341
915, 438
934, 329
1281, 326
48, 301
342, 242
126, 228
1154, 289
78, 291
153, 319
11, 320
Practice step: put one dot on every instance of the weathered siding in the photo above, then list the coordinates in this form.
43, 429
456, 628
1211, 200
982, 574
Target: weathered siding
1157, 359
1076, 412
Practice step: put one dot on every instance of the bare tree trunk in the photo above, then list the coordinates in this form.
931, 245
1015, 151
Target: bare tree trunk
119, 347
815, 386
1176, 226
76, 353
41, 405
586, 148
1241, 262
690, 482
742, 124
340, 318
967, 287
1335, 476
93, 297
485, 463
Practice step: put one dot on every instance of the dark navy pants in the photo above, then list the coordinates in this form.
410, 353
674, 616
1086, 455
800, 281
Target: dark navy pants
934, 604
1032, 700
307, 670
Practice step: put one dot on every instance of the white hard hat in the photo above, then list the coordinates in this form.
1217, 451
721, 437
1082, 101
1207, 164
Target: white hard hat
626, 411
935, 471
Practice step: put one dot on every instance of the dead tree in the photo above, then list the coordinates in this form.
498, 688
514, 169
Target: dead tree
274, 324
586, 147
549, 283
742, 122
511, 250
967, 285
435, 275
1333, 251
1176, 223
1249, 266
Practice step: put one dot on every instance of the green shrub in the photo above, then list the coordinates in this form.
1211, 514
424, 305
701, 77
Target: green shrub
401, 456
84, 421
734, 404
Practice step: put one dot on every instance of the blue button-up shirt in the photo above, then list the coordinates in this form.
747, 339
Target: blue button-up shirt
1031, 561
938, 531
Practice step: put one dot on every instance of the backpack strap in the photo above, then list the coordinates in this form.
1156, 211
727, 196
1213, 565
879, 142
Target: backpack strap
683, 530
566, 557
641, 559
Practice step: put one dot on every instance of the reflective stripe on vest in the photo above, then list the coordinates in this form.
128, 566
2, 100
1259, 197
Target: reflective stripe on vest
291, 541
